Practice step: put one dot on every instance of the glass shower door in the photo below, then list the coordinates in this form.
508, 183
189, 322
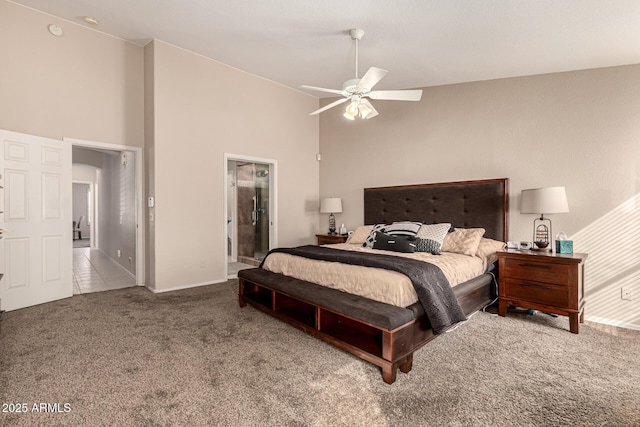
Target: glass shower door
261, 209
253, 194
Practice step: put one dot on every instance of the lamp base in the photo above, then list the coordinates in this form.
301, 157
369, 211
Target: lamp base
540, 249
332, 224
542, 235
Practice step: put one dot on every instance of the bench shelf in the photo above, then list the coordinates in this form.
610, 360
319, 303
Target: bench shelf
379, 333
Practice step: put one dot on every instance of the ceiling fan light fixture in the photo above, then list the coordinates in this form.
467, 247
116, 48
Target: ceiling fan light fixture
364, 110
352, 109
347, 115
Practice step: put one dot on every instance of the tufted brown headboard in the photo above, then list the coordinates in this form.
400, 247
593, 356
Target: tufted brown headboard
465, 204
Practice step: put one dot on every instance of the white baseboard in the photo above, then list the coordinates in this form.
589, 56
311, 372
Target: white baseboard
191, 285
611, 322
117, 264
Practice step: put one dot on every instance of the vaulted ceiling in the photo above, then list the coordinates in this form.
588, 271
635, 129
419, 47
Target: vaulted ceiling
421, 42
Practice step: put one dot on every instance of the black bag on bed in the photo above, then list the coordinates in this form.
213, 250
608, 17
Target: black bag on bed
386, 242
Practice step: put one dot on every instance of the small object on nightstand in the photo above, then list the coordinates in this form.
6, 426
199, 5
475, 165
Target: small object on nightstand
525, 246
563, 245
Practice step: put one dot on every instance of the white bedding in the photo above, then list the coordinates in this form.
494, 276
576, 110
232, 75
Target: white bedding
378, 284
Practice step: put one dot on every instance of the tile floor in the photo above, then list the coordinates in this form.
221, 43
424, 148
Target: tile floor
234, 267
95, 272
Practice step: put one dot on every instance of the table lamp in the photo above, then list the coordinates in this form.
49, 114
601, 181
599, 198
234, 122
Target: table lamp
548, 200
331, 205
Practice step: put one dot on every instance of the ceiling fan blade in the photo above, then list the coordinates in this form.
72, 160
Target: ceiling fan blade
397, 95
371, 77
323, 89
373, 111
333, 104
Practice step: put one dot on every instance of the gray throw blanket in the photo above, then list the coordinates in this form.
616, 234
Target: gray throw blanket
431, 285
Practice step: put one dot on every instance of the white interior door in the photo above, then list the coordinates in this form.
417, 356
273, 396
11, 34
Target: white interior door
36, 245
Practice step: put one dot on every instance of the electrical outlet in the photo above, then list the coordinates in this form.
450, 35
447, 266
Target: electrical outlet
203, 263
119, 253
626, 293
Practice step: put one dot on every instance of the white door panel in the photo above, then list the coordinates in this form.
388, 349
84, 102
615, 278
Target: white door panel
16, 199
36, 219
51, 197
17, 255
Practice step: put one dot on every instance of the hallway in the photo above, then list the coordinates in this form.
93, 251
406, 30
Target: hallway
95, 272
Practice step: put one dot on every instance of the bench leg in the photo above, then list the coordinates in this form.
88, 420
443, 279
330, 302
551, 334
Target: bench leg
406, 366
240, 293
389, 373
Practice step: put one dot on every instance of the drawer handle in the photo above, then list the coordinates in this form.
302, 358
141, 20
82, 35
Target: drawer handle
534, 285
546, 267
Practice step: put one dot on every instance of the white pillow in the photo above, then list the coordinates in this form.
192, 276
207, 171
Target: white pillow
359, 236
487, 251
463, 241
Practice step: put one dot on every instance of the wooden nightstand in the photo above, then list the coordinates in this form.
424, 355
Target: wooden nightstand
545, 281
329, 239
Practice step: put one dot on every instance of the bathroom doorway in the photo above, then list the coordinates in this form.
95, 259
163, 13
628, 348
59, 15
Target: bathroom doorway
249, 212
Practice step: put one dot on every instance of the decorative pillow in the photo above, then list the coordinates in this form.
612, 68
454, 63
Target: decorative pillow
487, 250
359, 236
431, 237
388, 242
463, 241
428, 245
368, 243
403, 228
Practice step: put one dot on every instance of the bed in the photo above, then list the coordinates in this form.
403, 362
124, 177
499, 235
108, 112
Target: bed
385, 333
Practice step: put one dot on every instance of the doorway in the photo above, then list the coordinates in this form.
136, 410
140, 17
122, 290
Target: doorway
82, 200
112, 215
250, 202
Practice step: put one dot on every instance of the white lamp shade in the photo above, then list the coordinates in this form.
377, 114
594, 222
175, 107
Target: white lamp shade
331, 205
549, 200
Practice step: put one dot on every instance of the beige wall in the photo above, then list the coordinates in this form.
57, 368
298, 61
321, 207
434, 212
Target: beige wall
578, 129
185, 110
117, 227
83, 85
203, 109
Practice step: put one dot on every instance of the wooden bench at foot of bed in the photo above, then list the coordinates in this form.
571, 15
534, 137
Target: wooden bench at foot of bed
379, 333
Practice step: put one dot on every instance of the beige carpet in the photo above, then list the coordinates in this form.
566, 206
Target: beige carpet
193, 357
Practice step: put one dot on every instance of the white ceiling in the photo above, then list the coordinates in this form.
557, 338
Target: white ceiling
421, 42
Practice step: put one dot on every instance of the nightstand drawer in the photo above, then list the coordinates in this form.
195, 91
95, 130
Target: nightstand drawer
536, 271
539, 293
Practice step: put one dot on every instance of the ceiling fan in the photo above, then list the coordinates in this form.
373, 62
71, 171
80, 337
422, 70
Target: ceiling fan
357, 90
